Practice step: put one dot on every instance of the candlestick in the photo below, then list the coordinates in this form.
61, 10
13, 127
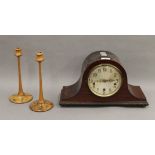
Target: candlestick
21, 97
41, 105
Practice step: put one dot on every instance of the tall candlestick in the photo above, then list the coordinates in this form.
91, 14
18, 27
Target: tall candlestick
20, 97
41, 105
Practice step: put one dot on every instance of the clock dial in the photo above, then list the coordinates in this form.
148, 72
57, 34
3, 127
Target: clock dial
104, 80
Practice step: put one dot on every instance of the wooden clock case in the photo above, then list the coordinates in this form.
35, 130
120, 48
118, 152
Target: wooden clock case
79, 93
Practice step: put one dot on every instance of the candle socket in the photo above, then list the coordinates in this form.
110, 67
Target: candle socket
41, 105
18, 52
20, 97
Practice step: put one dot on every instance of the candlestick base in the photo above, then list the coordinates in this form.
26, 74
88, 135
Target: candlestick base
20, 99
44, 106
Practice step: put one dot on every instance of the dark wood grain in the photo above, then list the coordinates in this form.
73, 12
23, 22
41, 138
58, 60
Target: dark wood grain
79, 94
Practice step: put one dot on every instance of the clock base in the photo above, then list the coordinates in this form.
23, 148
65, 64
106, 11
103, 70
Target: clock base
105, 104
133, 97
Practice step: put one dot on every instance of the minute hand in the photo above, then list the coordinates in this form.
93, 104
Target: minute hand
105, 80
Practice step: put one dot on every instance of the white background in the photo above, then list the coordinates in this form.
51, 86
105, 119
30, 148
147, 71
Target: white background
77, 17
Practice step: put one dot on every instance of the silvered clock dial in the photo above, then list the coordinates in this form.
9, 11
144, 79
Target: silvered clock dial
104, 80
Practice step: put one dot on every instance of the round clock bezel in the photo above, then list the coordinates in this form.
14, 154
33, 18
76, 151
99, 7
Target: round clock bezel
113, 93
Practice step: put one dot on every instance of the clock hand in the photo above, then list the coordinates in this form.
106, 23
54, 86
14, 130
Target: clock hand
105, 80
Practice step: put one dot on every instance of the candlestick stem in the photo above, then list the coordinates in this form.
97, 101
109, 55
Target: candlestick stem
20, 92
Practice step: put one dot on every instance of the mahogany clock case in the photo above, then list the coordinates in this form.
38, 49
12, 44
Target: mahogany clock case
79, 93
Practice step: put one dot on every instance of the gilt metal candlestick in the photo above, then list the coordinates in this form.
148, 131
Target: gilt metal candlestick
41, 105
21, 97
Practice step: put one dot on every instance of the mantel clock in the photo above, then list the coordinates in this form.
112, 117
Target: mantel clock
103, 82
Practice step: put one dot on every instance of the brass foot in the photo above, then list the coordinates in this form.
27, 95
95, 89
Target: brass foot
41, 107
20, 99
